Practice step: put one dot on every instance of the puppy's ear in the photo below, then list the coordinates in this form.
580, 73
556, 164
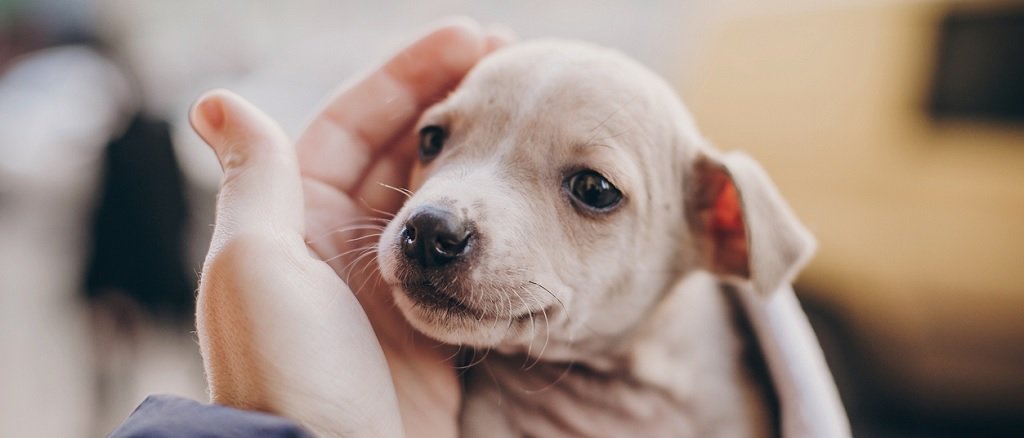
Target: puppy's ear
741, 223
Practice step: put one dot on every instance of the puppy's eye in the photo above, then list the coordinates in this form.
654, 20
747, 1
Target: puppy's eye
431, 141
594, 190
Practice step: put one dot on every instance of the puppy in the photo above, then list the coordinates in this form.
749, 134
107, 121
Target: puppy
572, 227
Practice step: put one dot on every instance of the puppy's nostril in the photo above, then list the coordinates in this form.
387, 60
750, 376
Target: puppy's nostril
408, 241
451, 245
409, 233
434, 237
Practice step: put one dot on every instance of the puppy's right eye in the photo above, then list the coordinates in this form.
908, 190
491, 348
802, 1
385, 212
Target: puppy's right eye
431, 142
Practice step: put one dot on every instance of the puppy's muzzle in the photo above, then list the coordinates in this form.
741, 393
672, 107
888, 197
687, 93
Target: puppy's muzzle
434, 237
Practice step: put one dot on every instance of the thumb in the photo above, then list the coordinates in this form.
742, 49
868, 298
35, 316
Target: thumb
261, 189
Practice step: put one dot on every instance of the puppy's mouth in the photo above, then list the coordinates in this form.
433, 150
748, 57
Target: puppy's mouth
430, 297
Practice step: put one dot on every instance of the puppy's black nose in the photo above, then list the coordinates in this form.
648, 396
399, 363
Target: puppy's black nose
434, 237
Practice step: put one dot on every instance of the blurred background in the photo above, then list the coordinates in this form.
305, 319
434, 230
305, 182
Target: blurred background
895, 129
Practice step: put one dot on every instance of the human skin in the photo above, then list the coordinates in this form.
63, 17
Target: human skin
279, 329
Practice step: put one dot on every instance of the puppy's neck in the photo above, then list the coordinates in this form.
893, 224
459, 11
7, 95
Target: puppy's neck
693, 316
687, 364
696, 321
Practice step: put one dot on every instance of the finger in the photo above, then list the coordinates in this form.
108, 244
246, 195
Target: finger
498, 36
270, 321
363, 118
385, 174
392, 169
261, 188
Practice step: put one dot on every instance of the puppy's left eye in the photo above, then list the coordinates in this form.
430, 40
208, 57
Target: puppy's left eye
431, 142
593, 190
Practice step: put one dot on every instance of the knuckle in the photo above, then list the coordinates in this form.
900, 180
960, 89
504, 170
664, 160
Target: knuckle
234, 261
249, 258
260, 159
235, 158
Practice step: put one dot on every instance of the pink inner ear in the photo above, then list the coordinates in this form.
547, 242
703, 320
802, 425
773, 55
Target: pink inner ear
728, 231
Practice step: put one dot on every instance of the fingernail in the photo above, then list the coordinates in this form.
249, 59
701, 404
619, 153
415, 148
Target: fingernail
213, 112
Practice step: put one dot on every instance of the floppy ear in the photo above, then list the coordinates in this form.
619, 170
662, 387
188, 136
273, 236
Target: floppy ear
742, 225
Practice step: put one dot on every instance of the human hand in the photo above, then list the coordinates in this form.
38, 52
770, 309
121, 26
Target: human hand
279, 329
353, 156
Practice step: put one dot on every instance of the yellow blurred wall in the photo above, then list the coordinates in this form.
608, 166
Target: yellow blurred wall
920, 224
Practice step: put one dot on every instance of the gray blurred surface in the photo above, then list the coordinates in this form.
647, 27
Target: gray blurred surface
59, 107
916, 287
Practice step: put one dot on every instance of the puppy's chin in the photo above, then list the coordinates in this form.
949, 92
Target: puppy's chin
454, 323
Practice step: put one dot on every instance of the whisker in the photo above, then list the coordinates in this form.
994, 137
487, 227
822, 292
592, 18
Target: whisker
453, 356
594, 141
363, 237
595, 131
406, 192
560, 303
496, 384
387, 214
343, 254
560, 377
370, 262
476, 362
348, 271
367, 265
547, 338
346, 229
533, 326
508, 299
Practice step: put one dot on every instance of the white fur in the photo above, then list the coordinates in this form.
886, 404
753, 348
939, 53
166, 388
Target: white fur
629, 332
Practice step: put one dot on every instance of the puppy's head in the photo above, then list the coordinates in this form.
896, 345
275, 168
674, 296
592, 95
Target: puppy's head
560, 190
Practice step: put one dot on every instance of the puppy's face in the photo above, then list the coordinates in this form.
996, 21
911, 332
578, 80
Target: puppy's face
547, 206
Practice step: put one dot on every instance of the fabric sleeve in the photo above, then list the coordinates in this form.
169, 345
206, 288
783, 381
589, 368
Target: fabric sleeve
171, 416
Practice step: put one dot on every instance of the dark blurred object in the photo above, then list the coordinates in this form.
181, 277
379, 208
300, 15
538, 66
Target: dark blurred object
168, 415
879, 404
26, 26
17, 36
138, 232
979, 73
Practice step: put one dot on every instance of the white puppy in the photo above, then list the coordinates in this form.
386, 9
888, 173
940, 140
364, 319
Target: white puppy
570, 224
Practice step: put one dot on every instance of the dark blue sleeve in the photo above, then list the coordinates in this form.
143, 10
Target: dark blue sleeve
170, 416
